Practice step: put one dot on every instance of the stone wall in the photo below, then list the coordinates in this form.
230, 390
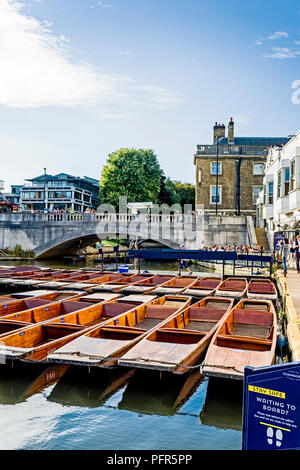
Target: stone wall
227, 180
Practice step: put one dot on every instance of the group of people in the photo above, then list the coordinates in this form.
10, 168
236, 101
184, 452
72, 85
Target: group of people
61, 211
289, 250
240, 249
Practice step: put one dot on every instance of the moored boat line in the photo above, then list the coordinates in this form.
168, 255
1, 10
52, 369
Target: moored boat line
64, 328
35, 342
104, 345
179, 344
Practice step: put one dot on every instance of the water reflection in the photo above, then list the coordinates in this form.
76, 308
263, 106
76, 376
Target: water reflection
223, 406
24, 380
89, 388
152, 392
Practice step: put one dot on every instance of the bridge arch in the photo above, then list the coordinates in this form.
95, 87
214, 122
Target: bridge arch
67, 245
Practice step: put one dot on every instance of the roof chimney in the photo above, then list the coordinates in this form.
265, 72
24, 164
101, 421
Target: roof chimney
219, 131
231, 132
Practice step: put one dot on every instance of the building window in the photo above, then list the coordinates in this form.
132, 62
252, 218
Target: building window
256, 191
286, 187
292, 176
258, 169
213, 168
270, 192
265, 190
199, 177
60, 195
214, 197
279, 184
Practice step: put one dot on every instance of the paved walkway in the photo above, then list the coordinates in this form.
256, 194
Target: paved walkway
290, 287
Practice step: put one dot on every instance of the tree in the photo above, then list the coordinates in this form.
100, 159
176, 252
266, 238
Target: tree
186, 192
131, 172
175, 192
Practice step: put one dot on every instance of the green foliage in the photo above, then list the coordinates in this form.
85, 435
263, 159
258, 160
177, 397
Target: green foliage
19, 252
130, 172
175, 192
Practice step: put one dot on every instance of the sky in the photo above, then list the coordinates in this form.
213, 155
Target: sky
82, 78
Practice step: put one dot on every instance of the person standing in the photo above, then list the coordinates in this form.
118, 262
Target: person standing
297, 253
292, 247
100, 250
184, 262
284, 251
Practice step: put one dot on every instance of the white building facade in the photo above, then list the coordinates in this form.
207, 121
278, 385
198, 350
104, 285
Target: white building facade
278, 205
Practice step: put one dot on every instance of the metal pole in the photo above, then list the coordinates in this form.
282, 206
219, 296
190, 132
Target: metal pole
217, 177
45, 188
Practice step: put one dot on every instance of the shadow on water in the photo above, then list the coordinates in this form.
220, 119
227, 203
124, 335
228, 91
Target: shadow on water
223, 407
150, 392
81, 387
24, 380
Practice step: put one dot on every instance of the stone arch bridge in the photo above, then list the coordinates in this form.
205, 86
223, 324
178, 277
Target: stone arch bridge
54, 235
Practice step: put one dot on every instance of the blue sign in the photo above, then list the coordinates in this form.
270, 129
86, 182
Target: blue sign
277, 237
271, 412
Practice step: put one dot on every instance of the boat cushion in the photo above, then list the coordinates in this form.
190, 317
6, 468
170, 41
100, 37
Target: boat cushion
253, 317
202, 313
260, 287
160, 311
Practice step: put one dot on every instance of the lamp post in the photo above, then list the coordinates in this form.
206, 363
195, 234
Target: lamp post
217, 177
44, 189
238, 162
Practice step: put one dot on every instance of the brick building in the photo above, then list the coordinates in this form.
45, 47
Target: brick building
232, 186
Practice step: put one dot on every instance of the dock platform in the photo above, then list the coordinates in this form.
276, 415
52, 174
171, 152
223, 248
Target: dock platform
289, 288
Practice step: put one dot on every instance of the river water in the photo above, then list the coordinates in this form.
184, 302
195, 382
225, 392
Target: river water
63, 407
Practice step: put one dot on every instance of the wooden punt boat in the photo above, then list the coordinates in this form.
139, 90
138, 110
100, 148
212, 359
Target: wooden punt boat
53, 296
104, 345
38, 314
56, 285
59, 311
25, 283
175, 286
147, 285
20, 305
109, 277
137, 299
180, 343
262, 289
79, 286
118, 285
46, 329
235, 287
97, 297
92, 285
61, 276
86, 277
246, 337
203, 287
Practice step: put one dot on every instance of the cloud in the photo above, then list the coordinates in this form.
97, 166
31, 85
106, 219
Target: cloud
277, 35
37, 69
101, 4
282, 53
271, 37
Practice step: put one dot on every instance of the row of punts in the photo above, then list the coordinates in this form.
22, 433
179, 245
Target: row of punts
145, 283
142, 330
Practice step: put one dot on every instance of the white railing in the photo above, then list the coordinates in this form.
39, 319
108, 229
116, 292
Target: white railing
98, 217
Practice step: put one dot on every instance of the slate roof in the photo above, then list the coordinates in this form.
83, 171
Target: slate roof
256, 141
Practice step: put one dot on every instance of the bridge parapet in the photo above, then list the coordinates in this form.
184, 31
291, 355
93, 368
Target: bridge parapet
52, 234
